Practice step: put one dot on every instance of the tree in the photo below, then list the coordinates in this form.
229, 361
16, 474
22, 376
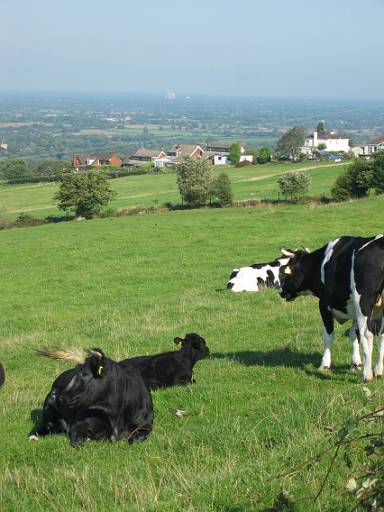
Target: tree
294, 184
378, 172
235, 152
222, 190
194, 179
13, 167
84, 193
320, 126
290, 143
53, 167
354, 183
321, 146
264, 155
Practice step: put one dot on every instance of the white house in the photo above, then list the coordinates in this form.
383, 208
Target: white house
331, 140
372, 146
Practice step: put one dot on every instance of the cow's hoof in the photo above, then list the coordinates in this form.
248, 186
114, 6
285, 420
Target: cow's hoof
378, 372
33, 437
355, 367
324, 368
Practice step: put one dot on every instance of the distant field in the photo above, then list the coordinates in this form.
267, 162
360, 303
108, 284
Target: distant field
248, 183
129, 285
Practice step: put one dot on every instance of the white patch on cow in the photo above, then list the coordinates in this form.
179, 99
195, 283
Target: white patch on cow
371, 241
328, 340
246, 279
356, 359
33, 437
379, 368
327, 257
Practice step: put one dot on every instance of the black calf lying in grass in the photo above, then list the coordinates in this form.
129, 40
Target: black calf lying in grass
2, 375
98, 400
171, 368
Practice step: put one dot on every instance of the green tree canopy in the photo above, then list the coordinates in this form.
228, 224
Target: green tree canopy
84, 193
52, 167
294, 185
355, 181
13, 167
290, 143
264, 155
378, 172
235, 152
222, 190
194, 179
320, 126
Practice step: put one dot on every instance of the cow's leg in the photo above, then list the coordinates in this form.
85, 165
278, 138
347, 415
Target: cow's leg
379, 368
328, 333
364, 306
354, 335
89, 425
51, 422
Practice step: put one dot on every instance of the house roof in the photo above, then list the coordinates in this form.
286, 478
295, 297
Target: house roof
152, 153
84, 157
329, 135
378, 140
182, 150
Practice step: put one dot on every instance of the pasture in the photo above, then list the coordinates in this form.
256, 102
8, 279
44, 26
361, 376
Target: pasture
250, 182
130, 285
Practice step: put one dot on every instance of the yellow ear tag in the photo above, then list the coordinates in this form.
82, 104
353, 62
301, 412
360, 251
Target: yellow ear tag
100, 370
288, 271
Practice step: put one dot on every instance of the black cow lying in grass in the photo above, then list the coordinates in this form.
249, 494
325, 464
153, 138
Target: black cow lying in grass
2, 375
98, 400
171, 368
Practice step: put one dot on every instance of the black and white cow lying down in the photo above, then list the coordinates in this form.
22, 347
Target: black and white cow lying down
97, 400
257, 276
347, 276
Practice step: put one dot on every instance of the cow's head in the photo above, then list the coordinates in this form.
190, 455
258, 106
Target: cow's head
293, 274
90, 382
196, 343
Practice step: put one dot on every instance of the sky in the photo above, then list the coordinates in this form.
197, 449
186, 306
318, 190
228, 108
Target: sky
259, 48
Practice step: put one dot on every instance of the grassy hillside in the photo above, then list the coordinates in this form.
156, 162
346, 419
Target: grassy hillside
129, 285
248, 183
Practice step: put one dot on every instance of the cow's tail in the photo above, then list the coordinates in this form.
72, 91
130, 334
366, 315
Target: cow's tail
73, 355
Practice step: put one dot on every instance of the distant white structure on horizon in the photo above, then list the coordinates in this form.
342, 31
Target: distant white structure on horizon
329, 141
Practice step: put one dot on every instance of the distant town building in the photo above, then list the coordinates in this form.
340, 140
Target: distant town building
87, 160
372, 146
143, 156
4, 146
327, 140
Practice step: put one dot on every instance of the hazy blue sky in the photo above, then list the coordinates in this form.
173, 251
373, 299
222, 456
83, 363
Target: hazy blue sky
270, 48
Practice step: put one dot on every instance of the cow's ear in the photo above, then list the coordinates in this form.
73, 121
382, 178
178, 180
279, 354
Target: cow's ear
286, 252
96, 362
178, 342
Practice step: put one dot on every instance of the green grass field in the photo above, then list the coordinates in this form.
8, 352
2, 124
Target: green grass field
250, 182
129, 285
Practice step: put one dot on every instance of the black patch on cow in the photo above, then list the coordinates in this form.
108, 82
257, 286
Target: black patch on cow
260, 282
270, 279
234, 274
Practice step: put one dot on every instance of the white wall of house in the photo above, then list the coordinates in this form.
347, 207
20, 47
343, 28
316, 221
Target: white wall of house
340, 144
248, 158
221, 160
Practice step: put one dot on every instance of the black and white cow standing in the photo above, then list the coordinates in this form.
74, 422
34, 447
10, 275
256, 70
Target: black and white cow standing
257, 276
347, 276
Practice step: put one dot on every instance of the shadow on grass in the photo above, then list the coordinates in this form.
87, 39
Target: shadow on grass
285, 357
36, 417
